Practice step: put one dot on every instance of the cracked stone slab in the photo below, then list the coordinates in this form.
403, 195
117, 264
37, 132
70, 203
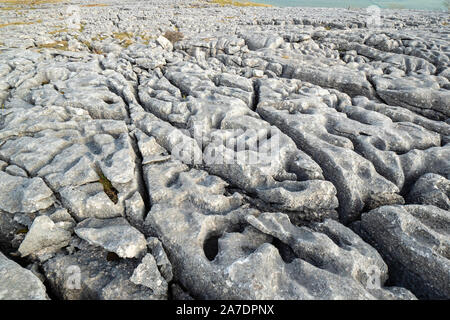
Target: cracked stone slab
114, 235
414, 242
19, 194
91, 274
44, 238
245, 261
112, 126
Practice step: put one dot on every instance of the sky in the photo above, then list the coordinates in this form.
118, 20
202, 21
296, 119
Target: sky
407, 4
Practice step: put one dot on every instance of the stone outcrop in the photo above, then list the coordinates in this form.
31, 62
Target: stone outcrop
186, 150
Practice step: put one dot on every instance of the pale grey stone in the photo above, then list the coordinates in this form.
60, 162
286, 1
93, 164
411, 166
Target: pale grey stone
135, 209
165, 43
19, 194
414, 242
147, 274
163, 263
115, 235
90, 274
44, 238
16, 171
361, 114
18, 283
431, 189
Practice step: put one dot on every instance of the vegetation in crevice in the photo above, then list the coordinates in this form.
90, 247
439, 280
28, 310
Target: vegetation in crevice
18, 23
173, 36
108, 188
240, 3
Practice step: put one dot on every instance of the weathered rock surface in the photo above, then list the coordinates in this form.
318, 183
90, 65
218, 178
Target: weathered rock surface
414, 241
44, 238
147, 274
92, 273
224, 152
18, 283
235, 254
23, 194
114, 235
431, 189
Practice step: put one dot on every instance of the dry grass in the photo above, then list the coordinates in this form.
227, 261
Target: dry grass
145, 38
95, 5
25, 4
122, 35
60, 45
99, 38
173, 36
92, 49
239, 3
124, 38
19, 23
22, 231
28, 2
63, 30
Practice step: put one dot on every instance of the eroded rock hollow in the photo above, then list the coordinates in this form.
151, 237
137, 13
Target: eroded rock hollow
188, 150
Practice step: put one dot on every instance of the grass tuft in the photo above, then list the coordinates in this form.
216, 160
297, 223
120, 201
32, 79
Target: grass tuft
19, 23
124, 38
108, 188
28, 2
60, 45
173, 36
22, 231
94, 5
239, 3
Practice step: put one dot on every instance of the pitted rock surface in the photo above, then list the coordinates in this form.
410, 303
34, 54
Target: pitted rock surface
183, 149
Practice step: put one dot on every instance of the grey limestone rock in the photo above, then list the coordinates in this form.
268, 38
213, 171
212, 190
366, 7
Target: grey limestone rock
242, 142
147, 274
414, 242
18, 283
163, 263
19, 194
44, 238
92, 273
431, 189
115, 235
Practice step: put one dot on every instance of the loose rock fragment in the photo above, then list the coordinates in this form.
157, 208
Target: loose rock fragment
18, 283
115, 235
147, 274
44, 238
19, 194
